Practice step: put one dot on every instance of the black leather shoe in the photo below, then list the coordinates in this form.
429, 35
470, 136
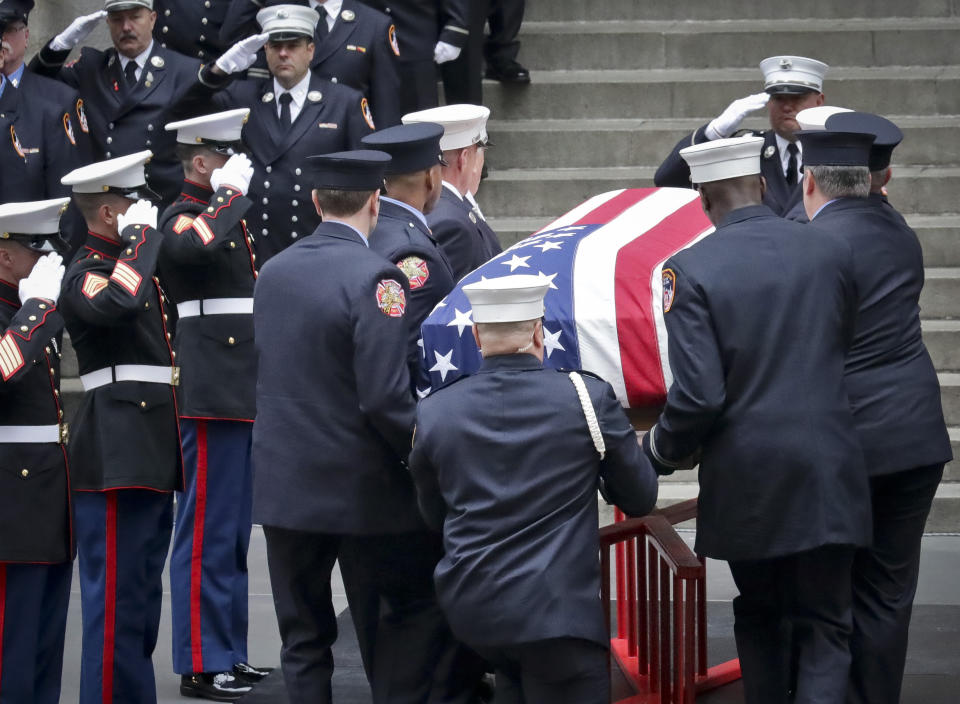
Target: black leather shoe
508, 72
215, 686
246, 672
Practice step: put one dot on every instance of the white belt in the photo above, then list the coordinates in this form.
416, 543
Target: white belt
131, 372
32, 433
215, 306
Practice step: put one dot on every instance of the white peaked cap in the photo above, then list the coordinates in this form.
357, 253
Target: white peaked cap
220, 127
37, 217
288, 21
507, 299
792, 74
719, 159
816, 118
122, 172
463, 124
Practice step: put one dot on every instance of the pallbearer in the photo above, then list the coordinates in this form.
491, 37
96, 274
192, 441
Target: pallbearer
209, 269
36, 533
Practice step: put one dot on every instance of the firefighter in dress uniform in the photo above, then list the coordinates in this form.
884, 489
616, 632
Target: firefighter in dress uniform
125, 458
208, 268
36, 527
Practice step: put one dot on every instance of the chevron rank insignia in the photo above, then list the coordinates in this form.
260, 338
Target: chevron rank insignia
416, 270
182, 224
390, 298
203, 231
127, 277
94, 284
10, 357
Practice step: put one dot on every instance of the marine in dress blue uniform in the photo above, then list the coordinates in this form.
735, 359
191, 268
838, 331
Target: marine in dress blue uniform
126, 107
208, 268
36, 531
895, 397
791, 84
125, 458
331, 118
520, 577
760, 315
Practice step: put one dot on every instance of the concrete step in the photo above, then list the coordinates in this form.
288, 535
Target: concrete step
646, 44
950, 394
941, 293
565, 10
631, 141
942, 338
553, 191
671, 93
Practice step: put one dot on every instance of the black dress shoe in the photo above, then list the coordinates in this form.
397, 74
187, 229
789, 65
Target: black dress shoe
215, 686
246, 672
507, 72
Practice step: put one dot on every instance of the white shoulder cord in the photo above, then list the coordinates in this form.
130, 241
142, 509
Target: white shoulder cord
592, 424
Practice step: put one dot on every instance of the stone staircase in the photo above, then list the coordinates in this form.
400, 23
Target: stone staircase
617, 83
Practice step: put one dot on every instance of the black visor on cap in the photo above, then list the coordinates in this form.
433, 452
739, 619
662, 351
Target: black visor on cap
143, 192
41, 243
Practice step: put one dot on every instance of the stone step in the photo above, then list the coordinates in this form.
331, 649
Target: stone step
941, 294
942, 338
671, 93
950, 394
565, 10
646, 44
628, 142
553, 191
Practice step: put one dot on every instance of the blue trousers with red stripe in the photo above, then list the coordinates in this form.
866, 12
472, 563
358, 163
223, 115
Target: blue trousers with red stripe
208, 563
33, 621
122, 539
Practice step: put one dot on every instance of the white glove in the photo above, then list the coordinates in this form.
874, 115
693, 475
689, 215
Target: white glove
78, 30
237, 173
730, 119
143, 212
443, 52
44, 279
241, 55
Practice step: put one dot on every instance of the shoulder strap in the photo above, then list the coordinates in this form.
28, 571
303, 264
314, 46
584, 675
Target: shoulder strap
589, 413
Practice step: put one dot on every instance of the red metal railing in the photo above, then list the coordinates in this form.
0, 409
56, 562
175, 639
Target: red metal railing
661, 589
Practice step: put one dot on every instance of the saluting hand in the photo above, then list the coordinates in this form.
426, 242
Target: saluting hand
78, 30
44, 279
143, 212
241, 55
728, 121
237, 173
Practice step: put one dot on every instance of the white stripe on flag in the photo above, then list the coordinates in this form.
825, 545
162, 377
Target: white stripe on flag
581, 210
594, 270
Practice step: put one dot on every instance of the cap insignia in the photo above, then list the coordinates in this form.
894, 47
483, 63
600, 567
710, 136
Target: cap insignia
786, 64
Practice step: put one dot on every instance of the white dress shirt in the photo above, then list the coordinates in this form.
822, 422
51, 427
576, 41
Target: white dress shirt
413, 211
298, 94
141, 60
476, 206
782, 145
453, 190
332, 8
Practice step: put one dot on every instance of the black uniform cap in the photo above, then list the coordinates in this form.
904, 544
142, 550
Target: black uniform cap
358, 170
412, 148
835, 148
887, 134
13, 10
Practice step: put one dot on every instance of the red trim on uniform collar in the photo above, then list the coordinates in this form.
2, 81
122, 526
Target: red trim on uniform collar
98, 244
14, 298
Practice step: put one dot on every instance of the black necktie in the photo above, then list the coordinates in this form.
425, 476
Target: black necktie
285, 99
130, 75
792, 164
322, 28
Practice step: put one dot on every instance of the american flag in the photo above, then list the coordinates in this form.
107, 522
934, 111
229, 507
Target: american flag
604, 309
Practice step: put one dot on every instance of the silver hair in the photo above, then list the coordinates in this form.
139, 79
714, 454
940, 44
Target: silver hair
842, 181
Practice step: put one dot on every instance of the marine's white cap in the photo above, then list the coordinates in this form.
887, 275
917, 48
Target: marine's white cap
816, 118
463, 124
36, 217
507, 299
125, 173
117, 5
218, 128
719, 159
284, 22
792, 74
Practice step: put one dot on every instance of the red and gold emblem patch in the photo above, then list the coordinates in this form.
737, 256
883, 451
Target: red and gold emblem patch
367, 115
416, 270
669, 289
391, 298
392, 36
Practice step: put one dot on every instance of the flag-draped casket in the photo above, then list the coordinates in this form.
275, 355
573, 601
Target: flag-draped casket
604, 309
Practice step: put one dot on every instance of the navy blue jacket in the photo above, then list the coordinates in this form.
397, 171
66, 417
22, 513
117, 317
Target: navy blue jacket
505, 465
780, 197
760, 322
465, 238
192, 27
893, 387
422, 23
334, 408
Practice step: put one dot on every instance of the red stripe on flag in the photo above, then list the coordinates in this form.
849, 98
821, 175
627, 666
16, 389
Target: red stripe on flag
3, 608
110, 598
636, 327
196, 558
616, 205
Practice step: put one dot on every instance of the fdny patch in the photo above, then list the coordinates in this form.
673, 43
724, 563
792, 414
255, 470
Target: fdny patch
392, 36
17, 147
82, 117
391, 299
10, 357
416, 270
127, 277
94, 284
203, 231
68, 128
182, 224
669, 289
367, 115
